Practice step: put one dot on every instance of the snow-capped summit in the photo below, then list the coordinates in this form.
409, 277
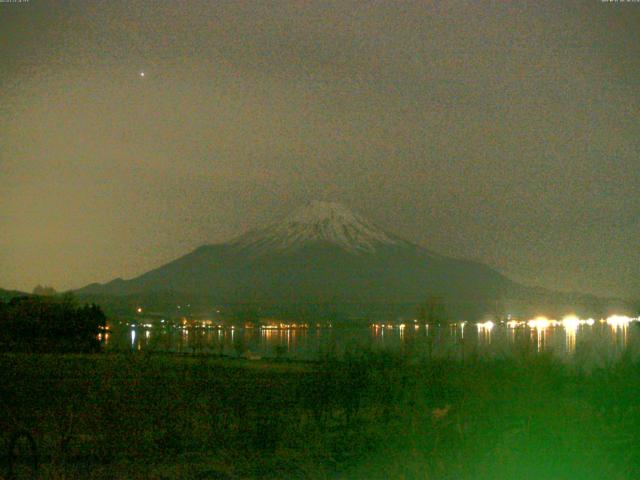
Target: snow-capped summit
322, 260
319, 222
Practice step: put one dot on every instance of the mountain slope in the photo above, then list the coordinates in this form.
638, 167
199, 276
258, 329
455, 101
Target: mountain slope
323, 254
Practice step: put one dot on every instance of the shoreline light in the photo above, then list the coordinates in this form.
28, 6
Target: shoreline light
539, 323
571, 322
619, 320
488, 325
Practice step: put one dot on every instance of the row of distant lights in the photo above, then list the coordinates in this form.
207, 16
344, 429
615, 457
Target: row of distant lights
208, 324
568, 322
539, 323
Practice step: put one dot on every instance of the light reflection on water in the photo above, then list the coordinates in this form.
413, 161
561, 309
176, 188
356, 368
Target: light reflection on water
598, 340
570, 332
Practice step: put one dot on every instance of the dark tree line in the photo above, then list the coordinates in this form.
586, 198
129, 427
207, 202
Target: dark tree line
50, 324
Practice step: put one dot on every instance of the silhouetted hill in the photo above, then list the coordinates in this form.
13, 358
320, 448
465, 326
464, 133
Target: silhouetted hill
6, 295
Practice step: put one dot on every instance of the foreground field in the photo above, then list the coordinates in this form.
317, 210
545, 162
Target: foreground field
367, 415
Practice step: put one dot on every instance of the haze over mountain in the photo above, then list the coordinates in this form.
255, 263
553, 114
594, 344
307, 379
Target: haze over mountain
325, 257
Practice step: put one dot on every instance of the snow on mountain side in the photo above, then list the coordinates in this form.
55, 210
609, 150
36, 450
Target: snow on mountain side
319, 222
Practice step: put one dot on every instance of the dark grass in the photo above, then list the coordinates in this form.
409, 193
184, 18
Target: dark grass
365, 415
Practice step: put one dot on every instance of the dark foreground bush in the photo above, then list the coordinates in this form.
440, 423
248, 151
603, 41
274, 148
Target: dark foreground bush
367, 415
49, 324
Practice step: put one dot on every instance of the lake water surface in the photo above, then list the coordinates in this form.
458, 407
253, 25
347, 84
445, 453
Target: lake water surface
597, 342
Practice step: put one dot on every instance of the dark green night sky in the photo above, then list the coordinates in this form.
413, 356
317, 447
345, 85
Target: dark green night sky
506, 133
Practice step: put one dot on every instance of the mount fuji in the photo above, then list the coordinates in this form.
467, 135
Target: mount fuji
325, 258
